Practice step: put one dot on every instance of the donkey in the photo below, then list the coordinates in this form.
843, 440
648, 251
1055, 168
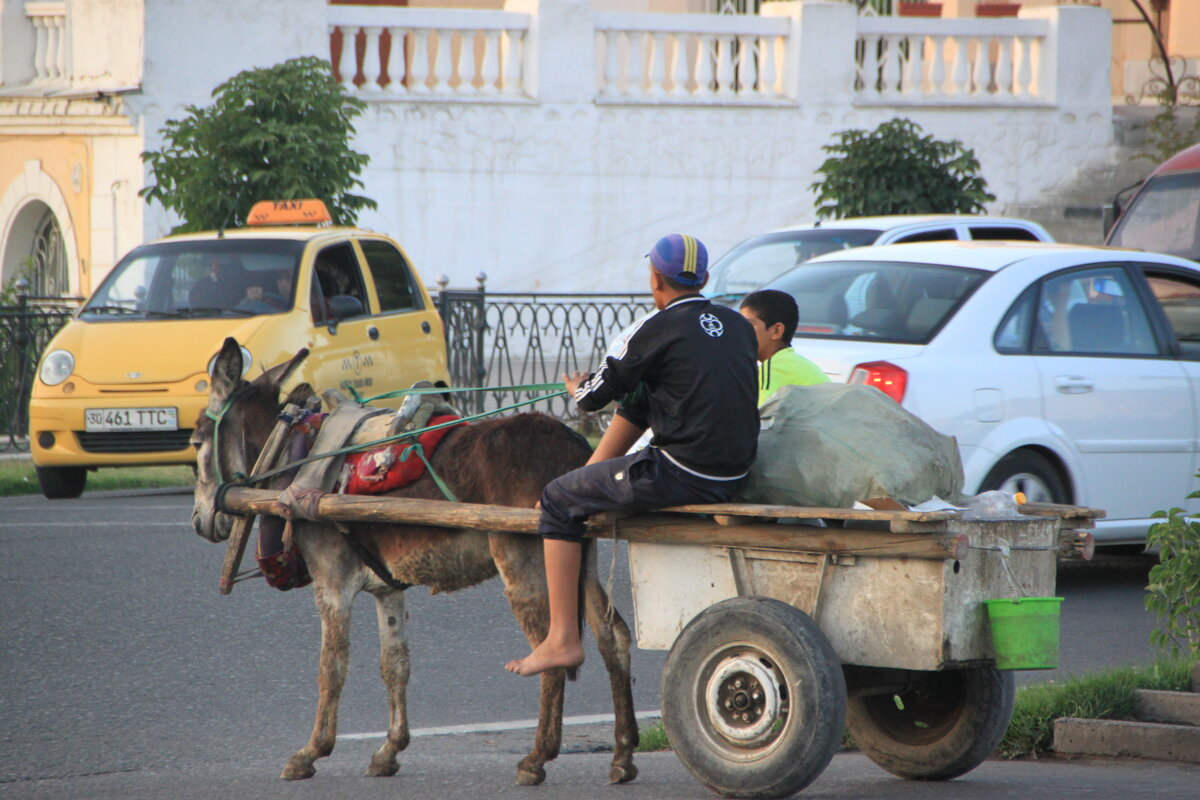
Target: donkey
504, 461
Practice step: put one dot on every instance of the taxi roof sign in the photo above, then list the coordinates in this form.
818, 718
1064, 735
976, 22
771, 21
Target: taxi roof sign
289, 212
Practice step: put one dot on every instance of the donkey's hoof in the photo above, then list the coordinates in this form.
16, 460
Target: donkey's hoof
530, 774
298, 769
383, 767
622, 773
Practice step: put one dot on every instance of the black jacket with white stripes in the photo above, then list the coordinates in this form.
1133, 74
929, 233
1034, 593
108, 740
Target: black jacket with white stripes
689, 373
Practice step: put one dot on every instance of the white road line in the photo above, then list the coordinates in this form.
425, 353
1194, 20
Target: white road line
498, 727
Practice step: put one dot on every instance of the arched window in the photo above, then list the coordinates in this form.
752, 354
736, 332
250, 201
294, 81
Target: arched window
48, 259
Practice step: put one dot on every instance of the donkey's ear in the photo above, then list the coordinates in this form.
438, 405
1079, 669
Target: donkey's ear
276, 375
227, 371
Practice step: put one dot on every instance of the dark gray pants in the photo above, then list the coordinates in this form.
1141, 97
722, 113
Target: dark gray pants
641, 481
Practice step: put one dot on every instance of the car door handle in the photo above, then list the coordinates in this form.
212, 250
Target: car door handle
373, 333
1072, 384
425, 327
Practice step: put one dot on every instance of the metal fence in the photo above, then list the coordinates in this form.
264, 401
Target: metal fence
25, 328
511, 339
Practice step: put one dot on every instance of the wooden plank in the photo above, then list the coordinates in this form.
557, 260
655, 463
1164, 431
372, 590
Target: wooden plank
810, 512
239, 533
657, 527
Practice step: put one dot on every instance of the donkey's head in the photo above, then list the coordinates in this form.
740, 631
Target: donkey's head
231, 432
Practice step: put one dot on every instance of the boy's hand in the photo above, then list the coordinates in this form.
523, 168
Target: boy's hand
573, 381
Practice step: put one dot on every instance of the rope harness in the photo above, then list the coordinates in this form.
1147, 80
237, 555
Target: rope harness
301, 499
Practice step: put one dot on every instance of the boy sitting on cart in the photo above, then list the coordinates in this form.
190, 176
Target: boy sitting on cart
688, 373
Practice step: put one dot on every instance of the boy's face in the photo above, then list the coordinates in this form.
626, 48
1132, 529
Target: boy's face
768, 338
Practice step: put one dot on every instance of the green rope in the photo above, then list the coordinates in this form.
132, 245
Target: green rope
416, 447
405, 435
524, 387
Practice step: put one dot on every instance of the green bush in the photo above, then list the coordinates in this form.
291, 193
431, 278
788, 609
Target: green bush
1174, 590
894, 169
277, 133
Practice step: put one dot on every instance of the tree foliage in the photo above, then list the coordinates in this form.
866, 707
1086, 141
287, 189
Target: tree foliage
277, 133
1173, 593
894, 169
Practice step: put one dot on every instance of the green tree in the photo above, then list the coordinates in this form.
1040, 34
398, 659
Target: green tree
1173, 593
894, 169
276, 133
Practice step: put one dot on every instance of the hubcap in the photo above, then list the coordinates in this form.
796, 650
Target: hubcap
1035, 489
743, 699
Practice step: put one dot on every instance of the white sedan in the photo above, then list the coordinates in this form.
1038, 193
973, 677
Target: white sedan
1069, 373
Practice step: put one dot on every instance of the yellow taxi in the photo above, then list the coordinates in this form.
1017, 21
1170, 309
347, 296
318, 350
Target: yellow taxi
124, 382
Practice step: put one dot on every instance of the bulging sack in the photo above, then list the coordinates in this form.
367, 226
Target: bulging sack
835, 444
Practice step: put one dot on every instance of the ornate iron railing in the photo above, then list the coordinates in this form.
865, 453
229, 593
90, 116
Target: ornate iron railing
25, 330
518, 338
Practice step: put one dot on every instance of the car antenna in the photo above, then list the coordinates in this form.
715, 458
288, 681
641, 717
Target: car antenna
237, 197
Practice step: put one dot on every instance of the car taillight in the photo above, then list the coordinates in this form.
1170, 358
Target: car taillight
886, 377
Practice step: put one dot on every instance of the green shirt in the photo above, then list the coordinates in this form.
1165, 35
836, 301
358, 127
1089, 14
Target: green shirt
786, 368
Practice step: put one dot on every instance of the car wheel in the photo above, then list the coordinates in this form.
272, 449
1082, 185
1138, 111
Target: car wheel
61, 483
1026, 471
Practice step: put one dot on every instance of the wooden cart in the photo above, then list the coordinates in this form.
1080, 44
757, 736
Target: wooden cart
782, 634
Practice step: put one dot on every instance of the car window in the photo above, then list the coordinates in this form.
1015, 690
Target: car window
392, 276
939, 235
195, 278
1093, 311
1012, 335
896, 302
335, 272
1001, 233
1164, 217
1179, 297
763, 258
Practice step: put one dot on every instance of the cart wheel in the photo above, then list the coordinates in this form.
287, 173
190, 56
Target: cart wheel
754, 699
943, 727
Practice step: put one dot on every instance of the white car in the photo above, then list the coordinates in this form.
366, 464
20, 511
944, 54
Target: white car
766, 256
1069, 373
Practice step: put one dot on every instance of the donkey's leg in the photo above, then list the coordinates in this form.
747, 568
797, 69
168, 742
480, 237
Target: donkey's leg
394, 667
334, 606
517, 560
613, 641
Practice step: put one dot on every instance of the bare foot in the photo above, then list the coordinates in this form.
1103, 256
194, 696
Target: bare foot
547, 656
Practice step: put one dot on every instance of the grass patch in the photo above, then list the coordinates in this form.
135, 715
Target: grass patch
1103, 695
652, 738
18, 477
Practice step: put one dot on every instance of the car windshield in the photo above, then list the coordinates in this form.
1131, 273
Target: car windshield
214, 278
756, 261
879, 300
1164, 217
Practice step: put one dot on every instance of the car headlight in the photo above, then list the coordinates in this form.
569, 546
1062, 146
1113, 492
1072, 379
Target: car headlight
57, 367
246, 362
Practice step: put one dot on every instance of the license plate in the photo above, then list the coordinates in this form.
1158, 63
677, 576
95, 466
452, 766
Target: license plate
99, 420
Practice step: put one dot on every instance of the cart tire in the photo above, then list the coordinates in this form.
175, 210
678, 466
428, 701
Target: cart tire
942, 729
770, 663
61, 483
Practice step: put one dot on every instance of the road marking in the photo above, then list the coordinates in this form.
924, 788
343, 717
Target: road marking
96, 524
499, 727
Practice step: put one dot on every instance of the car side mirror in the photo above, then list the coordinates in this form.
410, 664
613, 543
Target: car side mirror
343, 306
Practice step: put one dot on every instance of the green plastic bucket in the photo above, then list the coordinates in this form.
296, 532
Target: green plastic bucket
1025, 632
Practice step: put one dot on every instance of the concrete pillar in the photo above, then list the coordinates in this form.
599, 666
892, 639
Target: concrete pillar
820, 67
560, 61
1076, 57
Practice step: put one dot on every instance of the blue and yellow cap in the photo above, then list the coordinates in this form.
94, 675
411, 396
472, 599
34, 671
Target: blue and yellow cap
681, 258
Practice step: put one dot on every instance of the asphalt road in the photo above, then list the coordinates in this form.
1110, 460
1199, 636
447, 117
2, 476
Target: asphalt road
125, 672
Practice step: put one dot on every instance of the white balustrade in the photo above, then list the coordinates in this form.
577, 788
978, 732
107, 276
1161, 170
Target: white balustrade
399, 52
690, 58
50, 44
924, 61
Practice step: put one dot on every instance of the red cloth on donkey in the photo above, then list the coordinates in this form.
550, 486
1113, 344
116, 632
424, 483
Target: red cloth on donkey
396, 465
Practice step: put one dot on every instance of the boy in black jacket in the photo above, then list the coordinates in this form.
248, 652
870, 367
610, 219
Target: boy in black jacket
689, 373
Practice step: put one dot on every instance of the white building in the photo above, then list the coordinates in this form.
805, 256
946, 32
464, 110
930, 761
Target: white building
547, 143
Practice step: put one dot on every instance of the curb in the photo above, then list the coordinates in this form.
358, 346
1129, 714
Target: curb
1110, 737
